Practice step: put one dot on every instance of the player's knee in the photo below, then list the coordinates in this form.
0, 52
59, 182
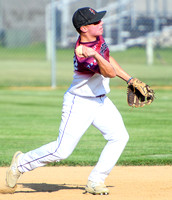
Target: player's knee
126, 137
64, 157
61, 155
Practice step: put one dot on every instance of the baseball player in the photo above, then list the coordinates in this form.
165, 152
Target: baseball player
85, 103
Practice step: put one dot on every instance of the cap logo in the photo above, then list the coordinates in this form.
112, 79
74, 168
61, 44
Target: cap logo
92, 11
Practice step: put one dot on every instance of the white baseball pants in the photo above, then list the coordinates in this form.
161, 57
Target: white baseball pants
78, 114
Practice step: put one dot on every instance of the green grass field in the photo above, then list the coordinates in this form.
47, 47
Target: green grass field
30, 117
29, 67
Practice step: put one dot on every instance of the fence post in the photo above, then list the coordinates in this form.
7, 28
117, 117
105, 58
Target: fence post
53, 55
149, 50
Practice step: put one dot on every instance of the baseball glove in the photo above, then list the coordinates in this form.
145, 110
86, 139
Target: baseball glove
139, 94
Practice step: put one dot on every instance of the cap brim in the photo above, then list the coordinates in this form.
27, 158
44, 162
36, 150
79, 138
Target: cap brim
98, 17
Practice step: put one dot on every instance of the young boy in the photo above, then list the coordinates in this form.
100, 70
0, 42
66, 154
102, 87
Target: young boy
85, 103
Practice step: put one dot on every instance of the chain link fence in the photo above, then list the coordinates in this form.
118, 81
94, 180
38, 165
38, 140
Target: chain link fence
25, 35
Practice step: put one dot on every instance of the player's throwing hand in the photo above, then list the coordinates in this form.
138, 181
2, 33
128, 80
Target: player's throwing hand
83, 51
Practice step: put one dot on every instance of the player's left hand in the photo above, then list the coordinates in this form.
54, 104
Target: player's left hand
139, 93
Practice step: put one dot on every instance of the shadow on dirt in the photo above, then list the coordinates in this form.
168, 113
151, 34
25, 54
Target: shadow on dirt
44, 187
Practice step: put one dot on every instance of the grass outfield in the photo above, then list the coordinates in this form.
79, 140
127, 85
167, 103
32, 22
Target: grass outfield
28, 67
30, 118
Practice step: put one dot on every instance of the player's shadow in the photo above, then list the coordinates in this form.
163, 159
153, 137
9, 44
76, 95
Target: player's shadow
44, 187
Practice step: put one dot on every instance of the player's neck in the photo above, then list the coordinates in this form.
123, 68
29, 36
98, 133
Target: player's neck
88, 38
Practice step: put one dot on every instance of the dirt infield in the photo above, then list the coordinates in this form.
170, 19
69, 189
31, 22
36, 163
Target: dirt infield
63, 183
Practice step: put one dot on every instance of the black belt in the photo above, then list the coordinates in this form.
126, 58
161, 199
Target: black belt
102, 95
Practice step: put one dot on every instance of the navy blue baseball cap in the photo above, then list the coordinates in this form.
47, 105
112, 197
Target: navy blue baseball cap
85, 16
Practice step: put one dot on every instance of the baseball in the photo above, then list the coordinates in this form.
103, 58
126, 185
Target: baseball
79, 51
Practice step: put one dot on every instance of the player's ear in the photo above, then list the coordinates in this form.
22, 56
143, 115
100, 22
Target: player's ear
84, 29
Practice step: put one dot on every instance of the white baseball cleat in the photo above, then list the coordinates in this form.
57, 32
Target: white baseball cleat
96, 188
13, 174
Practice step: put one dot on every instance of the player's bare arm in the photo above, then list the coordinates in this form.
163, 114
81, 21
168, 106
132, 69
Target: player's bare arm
119, 71
106, 68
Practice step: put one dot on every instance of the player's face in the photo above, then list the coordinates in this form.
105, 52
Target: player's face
95, 29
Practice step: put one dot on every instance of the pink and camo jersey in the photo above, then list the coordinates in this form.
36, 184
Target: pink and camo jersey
87, 80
